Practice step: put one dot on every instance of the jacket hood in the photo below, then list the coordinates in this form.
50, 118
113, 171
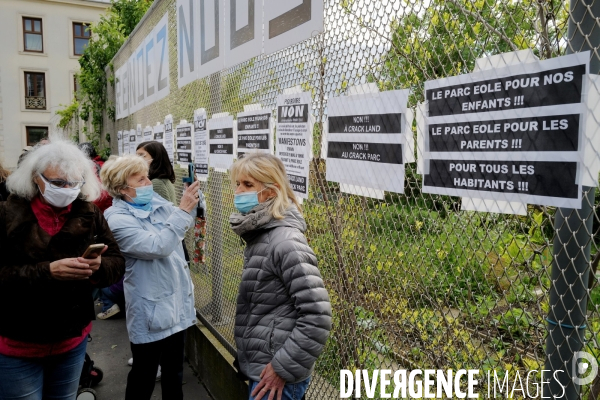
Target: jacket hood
122, 207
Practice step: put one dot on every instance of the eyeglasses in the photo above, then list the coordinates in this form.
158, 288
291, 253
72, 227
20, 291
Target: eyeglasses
61, 183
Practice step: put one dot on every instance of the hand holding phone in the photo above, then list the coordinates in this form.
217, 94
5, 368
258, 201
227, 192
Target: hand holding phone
93, 251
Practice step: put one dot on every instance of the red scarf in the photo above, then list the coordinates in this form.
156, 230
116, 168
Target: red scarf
49, 220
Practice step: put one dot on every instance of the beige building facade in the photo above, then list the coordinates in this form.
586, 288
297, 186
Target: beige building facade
40, 45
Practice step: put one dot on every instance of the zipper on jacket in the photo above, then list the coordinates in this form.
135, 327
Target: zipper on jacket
271, 348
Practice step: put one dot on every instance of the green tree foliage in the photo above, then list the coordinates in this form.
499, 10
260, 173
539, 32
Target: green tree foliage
435, 39
108, 35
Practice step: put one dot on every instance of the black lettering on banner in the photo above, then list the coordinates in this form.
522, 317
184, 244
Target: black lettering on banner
540, 178
184, 145
546, 88
253, 122
224, 149
293, 113
201, 169
298, 183
386, 153
184, 157
550, 133
371, 123
184, 132
246, 33
291, 19
253, 141
224, 133
209, 54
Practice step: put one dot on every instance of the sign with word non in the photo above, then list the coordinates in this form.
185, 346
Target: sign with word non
512, 133
200, 144
144, 78
366, 139
168, 138
184, 143
294, 139
254, 132
221, 139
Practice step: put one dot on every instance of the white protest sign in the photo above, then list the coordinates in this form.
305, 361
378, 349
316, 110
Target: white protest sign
200, 145
120, 143
512, 134
147, 134
183, 141
132, 138
159, 133
168, 137
138, 138
254, 132
221, 142
294, 134
366, 140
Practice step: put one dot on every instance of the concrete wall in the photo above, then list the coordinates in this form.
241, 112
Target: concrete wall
57, 61
214, 365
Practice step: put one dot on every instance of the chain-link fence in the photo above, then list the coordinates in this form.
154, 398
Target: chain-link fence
415, 282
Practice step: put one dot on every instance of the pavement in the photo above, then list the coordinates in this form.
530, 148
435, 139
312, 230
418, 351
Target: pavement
109, 349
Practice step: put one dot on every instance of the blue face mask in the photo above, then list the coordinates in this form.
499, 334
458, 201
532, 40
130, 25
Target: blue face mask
246, 201
143, 195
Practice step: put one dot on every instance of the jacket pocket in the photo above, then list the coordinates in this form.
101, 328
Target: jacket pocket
165, 314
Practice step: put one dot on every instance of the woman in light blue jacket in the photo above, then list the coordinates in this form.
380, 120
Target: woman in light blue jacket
159, 293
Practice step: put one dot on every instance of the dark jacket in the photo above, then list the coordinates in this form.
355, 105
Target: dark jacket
34, 307
283, 314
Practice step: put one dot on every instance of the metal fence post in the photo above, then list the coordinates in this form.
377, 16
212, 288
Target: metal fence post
215, 218
572, 242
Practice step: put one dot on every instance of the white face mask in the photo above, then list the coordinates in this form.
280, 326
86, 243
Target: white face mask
59, 197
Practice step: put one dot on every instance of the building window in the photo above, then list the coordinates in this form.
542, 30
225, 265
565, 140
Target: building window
81, 37
32, 34
35, 134
35, 91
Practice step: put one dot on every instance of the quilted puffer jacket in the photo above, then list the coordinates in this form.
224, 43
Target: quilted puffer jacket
283, 312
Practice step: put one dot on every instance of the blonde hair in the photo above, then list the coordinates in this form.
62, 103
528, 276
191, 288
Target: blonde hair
268, 170
4, 173
117, 170
63, 155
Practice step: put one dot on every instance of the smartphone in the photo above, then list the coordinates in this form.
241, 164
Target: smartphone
188, 180
93, 251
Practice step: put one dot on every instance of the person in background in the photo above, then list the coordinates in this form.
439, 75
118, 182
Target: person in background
159, 294
161, 171
46, 305
105, 200
283, 313
112, 297
4, 173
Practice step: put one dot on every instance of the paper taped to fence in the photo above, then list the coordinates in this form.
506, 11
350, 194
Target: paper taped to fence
159, 133
147, 134
512, 133
294, 133
200, 144
183, 142
120, 143
254, 132
366, 139
221, 142
168, 138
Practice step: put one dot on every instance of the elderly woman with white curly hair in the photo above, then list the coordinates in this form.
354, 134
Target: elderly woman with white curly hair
46, 306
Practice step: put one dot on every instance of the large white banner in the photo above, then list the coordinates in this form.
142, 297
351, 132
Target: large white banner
216, 34
144, 78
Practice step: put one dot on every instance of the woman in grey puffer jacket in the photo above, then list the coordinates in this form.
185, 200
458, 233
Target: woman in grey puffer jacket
283, 315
